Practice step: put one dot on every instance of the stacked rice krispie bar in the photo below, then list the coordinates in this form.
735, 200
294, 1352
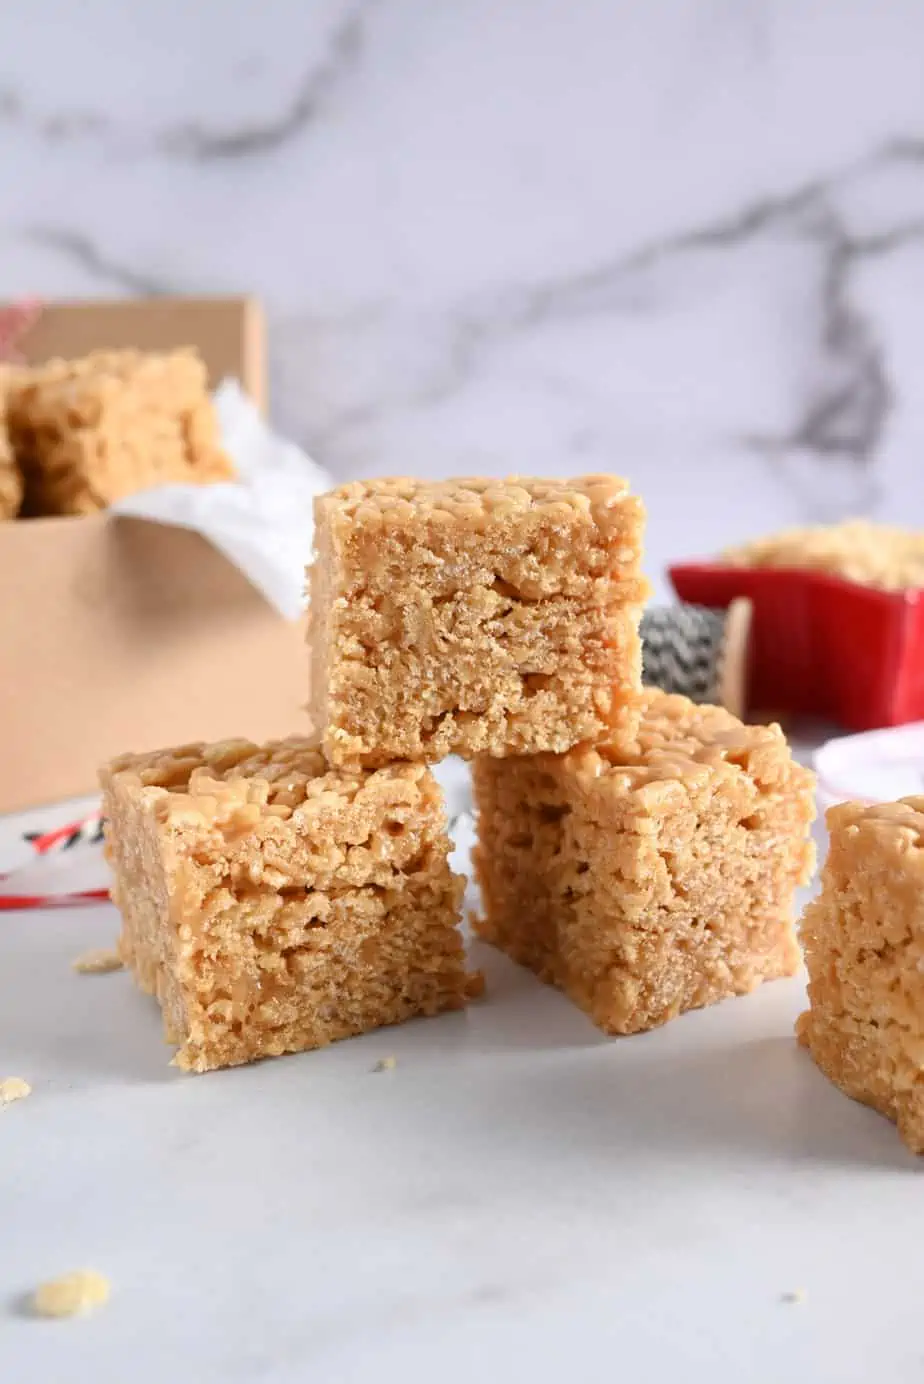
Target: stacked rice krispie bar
272, 904
634, 849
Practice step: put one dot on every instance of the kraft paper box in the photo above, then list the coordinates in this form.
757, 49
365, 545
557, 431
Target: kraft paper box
118, 634
228, 332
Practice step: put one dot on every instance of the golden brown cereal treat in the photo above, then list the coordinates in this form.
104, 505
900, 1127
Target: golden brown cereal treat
474, 616
97, 962
13, 1088
272, 905
864, 948
11, 486
648, 883
71, 1294
10, 478
90, 431
857, 549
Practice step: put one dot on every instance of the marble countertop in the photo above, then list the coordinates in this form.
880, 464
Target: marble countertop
684, 241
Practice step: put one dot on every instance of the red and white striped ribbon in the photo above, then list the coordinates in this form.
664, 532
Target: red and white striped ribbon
88, 832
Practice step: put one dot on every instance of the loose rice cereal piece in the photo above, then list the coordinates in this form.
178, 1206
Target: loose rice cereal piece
474, 616
13, 1088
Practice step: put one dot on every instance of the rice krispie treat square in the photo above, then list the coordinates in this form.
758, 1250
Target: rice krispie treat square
272, 905
11, 486
863, 938
474, 616
90, 431
10, 478
647, 883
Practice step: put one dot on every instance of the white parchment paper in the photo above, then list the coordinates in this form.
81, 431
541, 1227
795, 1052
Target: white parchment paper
263, 521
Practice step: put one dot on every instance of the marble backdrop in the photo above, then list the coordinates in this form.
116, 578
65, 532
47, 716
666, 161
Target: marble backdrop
682, 239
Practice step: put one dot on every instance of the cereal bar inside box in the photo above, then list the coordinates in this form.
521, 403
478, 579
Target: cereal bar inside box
89, 431
864, 949
474, 616
10, 478
274, 905
648, 882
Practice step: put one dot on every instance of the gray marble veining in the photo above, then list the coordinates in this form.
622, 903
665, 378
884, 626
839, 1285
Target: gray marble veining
684, 242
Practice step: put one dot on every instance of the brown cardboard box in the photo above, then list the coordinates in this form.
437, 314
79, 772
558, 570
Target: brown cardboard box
118, 635
121, 635
229, 333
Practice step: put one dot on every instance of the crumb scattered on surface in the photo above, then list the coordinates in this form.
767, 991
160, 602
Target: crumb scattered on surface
71, 1294
872, 554
316, 904
97, 961
386, 1064
13, 1088
795, 1296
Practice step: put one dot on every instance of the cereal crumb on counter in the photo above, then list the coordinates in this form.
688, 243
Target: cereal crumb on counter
13, 1088
98, 961
796, 1297
386, 1064
71, 1294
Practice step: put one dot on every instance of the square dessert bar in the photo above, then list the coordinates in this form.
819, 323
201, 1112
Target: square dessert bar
474, 616
272, 905
10, 478
91, 431
863, 938
651, 882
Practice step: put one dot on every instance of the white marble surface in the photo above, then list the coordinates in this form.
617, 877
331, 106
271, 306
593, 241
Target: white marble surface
684, 240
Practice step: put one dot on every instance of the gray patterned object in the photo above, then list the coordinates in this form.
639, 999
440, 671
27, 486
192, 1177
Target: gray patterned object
698, 652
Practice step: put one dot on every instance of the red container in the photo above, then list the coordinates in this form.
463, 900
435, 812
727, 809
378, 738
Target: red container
820, 645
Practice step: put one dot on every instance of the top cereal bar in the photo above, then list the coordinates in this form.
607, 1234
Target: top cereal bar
474, 616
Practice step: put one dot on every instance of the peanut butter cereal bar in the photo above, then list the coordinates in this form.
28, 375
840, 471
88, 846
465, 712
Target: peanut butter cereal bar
647, 883
10, 478
474, 616
864, 948
272, 905
91, 431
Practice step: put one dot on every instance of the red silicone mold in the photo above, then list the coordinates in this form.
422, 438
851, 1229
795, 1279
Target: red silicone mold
820, 645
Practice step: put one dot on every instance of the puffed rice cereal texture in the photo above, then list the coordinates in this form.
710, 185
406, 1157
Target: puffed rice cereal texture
647, 883
858, 550
273, 905
474, 616
88, 432
863, 938
11, 485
